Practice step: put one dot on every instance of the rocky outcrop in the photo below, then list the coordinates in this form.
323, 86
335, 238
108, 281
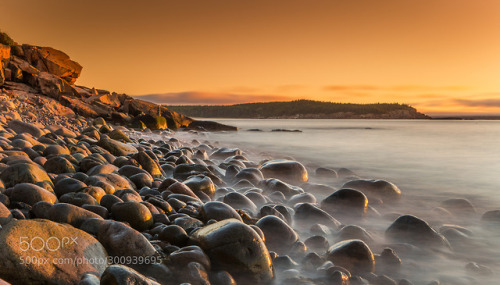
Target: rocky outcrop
39, 73
50, 60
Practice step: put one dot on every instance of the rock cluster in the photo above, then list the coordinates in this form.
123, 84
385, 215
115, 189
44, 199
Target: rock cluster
150, 209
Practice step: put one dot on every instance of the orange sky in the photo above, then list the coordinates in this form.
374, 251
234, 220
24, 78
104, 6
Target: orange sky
441, 56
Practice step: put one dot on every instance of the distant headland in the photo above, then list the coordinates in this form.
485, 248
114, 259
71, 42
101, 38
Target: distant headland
302, 109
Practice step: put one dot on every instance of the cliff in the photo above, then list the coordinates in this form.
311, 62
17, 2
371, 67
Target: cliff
304, 109
44, 78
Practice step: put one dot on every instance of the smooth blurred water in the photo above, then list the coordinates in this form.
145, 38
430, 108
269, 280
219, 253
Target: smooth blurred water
423, 157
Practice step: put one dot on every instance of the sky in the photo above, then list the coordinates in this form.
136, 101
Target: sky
440, 56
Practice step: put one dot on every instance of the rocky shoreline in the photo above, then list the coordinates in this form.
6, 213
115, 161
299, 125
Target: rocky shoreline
104, 204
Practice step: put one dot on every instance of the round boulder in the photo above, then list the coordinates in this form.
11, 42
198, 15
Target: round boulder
354, 255
48, 246
376, 189
30, 194
236, 248
287, 170
136, 214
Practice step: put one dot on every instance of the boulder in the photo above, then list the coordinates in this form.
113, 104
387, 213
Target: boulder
116, 147
30, 194
287, 170
122, 240
70, 214
354, 255
218, 211
81, 107
376, 189
137, 107
106, 99
210, 126
346, 202
149, 164
58, 165
52, 253
412, 230
52, 61
279, 237
201, 184
236, 248
136, 214
23, 127
25, 173
53, 86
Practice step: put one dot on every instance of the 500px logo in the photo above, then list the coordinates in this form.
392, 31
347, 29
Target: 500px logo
50, 244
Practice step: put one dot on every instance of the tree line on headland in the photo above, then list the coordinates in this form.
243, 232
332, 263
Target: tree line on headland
302, 109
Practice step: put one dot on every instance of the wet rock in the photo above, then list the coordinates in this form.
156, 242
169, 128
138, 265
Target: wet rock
174, 234
253, 175
317, 243
222, 278
30, 194
376, 189
70, 243
459, 207
491, 217
223, 153
289, 171
354, 232
276, 185
307, 214
346, 202
236, 248
183, 171
354, 255
326, 172
149, 164
70, 214
120, 274
136, 214
412, 230
121, 240
201, 184
179, 259
218, 211
279, 236
478, 269
302, 198
240, 202
388, 261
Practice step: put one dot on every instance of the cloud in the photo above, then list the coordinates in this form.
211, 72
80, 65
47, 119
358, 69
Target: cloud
398, 88
209, 98
491, 102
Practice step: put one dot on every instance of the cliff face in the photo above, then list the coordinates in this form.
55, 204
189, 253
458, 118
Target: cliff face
42, 73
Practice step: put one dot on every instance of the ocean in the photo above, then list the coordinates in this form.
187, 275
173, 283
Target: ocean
449, 158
